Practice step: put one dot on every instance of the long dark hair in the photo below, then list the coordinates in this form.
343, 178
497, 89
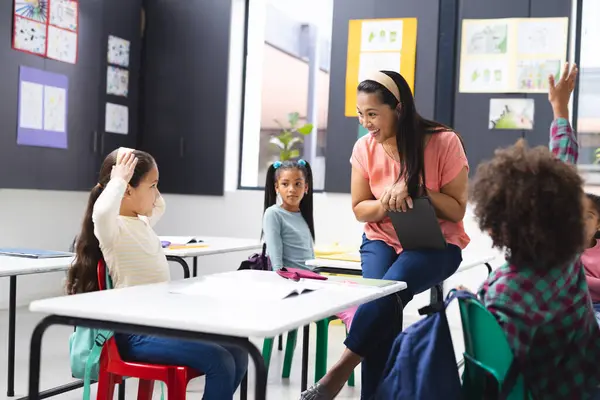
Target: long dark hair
82, 275
411, 130
306, 205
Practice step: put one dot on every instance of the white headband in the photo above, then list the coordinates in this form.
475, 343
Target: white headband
385, 81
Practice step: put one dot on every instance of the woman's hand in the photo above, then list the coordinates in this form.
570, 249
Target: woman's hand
559, 92
396, 198
125, 167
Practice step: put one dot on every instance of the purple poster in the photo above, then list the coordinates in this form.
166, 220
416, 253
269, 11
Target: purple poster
42, 108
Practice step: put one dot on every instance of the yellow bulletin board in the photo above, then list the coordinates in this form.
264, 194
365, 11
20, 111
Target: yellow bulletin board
379, 44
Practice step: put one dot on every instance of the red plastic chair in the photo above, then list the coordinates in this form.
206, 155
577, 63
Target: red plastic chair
113, 368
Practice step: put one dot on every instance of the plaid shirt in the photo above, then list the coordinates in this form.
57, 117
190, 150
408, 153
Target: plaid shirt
547, 315
563, 142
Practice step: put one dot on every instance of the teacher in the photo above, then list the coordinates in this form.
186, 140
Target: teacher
404, 156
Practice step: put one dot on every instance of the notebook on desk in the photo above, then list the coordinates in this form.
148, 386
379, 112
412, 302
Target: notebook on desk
33, 253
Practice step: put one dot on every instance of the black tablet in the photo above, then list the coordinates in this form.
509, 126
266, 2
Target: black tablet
418, 228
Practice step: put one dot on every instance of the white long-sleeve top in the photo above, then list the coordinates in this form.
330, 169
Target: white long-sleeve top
131, 249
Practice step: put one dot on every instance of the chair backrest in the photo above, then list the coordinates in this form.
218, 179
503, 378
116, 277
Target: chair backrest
486, 345
101, 271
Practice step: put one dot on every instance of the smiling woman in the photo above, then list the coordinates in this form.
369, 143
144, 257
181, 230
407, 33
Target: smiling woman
402, 156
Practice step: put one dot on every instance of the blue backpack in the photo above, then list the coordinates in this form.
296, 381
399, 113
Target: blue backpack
85, 348
422, 364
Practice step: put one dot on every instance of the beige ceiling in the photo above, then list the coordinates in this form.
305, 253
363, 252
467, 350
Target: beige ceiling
285, 88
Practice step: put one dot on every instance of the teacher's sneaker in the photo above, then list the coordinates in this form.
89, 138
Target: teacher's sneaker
316, 392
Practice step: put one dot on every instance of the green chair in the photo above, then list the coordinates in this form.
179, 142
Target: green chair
290, 346
487, 353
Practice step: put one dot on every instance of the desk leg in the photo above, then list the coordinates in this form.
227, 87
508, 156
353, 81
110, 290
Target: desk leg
183, 263
305, 346
260, 390
12, 313
195, 270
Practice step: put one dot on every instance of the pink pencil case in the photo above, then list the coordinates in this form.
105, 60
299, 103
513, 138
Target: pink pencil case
296, 274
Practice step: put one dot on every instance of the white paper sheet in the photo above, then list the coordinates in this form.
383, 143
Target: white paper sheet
381, 35
117, 81
117, 119
30, 36
541, 36
370, 62
484, 75
31, 105
63, 13
118, 51
62, 45
511, 114
489, 38
533, 74
36, 10
55, 108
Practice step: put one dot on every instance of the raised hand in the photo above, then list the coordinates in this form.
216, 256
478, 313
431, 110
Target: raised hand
559, 92
125, 167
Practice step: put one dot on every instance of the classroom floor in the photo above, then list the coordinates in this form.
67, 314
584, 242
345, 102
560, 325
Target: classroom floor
55, 363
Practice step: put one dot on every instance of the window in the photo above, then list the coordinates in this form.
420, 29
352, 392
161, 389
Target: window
588, 115
280, 33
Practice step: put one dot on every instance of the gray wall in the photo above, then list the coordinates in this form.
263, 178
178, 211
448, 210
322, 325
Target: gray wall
341, 130
472, 109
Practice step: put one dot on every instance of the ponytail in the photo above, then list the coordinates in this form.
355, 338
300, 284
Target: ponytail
82, 276
306, 205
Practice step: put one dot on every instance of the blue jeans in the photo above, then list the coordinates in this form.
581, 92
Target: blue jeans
376, 324
597, 312
224, 366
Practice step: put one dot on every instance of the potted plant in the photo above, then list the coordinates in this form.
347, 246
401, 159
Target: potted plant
290, 136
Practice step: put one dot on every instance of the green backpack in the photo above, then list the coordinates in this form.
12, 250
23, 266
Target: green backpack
85, 347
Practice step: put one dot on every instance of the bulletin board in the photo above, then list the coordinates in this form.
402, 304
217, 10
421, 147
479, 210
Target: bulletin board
379, 44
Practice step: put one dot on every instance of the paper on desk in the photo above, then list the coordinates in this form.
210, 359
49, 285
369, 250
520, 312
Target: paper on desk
235, 289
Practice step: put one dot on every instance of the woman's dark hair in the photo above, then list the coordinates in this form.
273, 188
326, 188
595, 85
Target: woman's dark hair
530, 204
595, 199
82, 276
306, 205
411, 129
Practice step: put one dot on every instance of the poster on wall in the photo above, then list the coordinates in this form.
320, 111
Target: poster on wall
47, 28
117, 81
29, 36
63, 31
118, 51
511, 114
64, 14
116, 119
511, 55
376, 45
42, 105
34, 10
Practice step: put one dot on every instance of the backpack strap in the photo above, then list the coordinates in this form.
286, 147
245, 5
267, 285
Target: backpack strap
264, 250
440, 306
101, 337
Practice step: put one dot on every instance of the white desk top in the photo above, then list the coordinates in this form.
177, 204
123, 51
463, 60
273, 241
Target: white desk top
156, 305
11, 266
469, 261
216, 245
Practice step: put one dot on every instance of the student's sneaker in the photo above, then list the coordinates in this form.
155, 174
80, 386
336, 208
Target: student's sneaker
316, 392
